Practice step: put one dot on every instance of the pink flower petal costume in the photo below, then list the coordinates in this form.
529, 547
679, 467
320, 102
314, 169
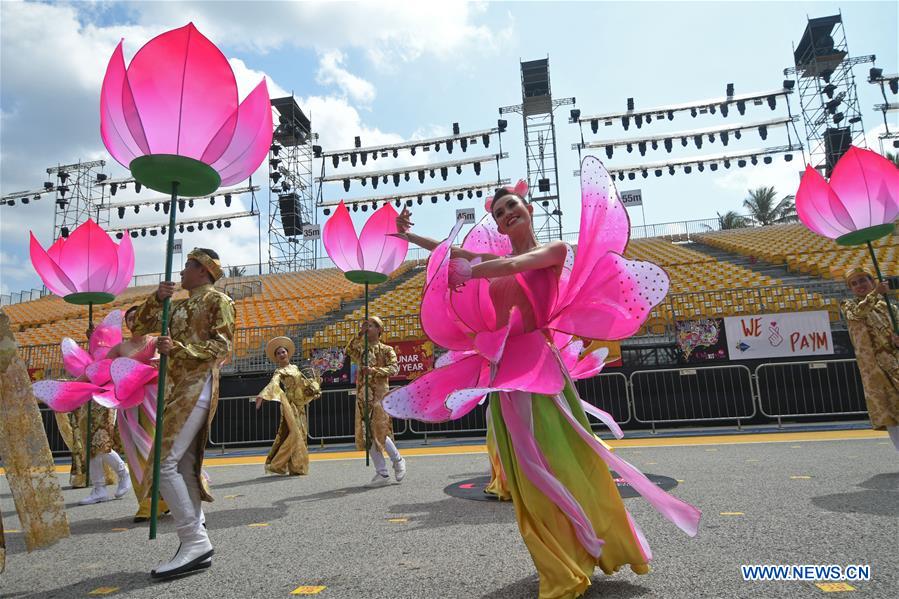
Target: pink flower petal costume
510, 337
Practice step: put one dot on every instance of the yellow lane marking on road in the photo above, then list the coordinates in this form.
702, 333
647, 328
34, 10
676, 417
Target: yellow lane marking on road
732, 514
233, 496
258, 525
119, 529
800, 477
449, 450
104, 591
680, 480
834, 587
308, 590
712, 449
397, 520
795, 446
13, 530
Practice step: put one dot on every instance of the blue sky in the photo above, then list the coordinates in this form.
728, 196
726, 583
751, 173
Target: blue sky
390, 72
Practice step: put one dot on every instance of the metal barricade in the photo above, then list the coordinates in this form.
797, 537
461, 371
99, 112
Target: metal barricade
607, 391
238, 422
332, 417
812, 388
707, 394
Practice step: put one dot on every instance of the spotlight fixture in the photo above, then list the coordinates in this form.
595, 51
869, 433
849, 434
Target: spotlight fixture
134, 234
575, 114
738, 134
829, 89
655, 144
49, 185
326, 211
477, 168
609, 151
316, 152
594, 125
725, 137
190, 202
767, 159
713, 166
274, 162
396, 179
741, 107
156, 207
421, 176
143, 232
630, 104
683, 141
227, 224
64, 231
788, 157
726, 163
162, 230
275, 148
789, 84
894, 85
486, 140
625, 122
136, 209
697, 139
711, 138
364, 208
218, 224
688, 169
396, 153
119, 235
630, 148
501, 124
620, 176
632, 175
642, 147
364, 158
112, 188
658, 172
335, 160
724, 109
670, 170
458, 169
460, 195
212, 200
837, 118
479, 193
153, 233
443, 172
181, 228
374, 155
190, 228
712, 109
355, 207
754, 160
455, 128
406, 176
181, 205
464, 143
63, 176
638, 120
100, 177
875, 73
701, 167
644, 173
275, 176
693, 112
121, 212
357, 142
346, 184
730, 90
353, 158
670, 115
374, 182
667, 145
741, 163
228, 199
772, 102
433, 199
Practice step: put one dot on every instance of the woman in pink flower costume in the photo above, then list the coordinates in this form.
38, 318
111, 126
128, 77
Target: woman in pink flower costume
508, 308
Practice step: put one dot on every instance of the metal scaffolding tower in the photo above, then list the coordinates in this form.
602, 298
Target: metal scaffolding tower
77, 197
823, 69
290, 189
537, 109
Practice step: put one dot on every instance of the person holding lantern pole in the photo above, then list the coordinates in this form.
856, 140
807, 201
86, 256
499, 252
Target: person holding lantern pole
876, 348
382, 364
199, 340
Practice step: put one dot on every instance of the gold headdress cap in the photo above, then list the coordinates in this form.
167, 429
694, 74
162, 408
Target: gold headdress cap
212, 265
854, 272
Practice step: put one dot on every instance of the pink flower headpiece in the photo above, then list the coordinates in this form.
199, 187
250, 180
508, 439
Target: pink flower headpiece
520, 189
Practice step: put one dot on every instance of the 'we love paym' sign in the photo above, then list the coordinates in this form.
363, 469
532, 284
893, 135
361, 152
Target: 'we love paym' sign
783, 335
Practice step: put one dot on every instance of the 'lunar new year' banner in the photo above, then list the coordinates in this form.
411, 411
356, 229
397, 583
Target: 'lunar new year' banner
784, 335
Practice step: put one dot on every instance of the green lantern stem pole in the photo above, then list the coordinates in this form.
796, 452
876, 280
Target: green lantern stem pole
366, 416
163, 364
87, 449
886, 296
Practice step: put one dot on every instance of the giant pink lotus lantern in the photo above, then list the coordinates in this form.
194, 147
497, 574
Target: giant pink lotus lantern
173, 115
368, 258
858, 205
173, 119
87, 267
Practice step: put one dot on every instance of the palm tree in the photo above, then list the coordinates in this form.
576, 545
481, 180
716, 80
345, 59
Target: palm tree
730, 220
766, 210
236, 271
894, 158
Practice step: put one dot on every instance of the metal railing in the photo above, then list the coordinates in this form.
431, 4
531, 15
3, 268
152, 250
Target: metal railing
777, 390
810, 389
706, 394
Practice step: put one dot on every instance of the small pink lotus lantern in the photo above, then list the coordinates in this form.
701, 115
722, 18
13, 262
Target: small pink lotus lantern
373, 255
859, 204
173, 115
366, 259
86, 268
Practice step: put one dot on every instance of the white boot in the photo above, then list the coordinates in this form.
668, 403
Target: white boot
98, 495
194, 553
115, 462
399, 469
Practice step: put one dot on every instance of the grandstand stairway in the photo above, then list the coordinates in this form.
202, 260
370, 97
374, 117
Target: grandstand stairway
775, 271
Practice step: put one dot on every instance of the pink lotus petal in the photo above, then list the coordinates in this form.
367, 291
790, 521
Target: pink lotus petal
459, 403
113, 125
868, 187
813, 205
340, 241
471, 306
251, 140
590, 365
541, 287
424, 398
436, 320
107, 335
74, 358
184, 90
605, 226
378, 251
491, 344
528, 364
106, 398
616, 299
64, 396
570, 353
451, 357
484, 238
50, 273
129, 378
98, 372
124, 267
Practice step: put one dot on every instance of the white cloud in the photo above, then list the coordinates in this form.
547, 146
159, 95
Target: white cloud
331, 72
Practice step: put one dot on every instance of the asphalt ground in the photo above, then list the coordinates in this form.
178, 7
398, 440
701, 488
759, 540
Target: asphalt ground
782, 499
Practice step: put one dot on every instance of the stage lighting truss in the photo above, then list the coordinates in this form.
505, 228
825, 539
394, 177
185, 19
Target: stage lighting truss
449, 143
413, 170
225, 194
199, 220
701, 162
452, 190
696, 136
659, 113
25, 197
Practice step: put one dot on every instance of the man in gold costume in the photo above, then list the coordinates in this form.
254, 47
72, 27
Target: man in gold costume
289, 453
876, 349
199, 340
382, 364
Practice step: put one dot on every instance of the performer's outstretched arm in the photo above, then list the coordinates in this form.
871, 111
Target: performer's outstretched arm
404, 224
545, 256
